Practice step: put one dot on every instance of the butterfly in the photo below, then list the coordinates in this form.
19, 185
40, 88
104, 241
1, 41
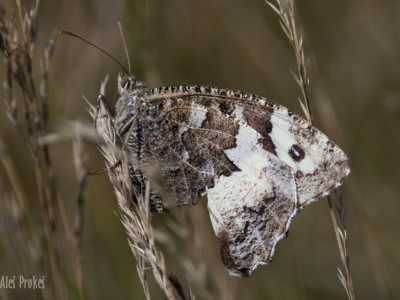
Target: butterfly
258, 163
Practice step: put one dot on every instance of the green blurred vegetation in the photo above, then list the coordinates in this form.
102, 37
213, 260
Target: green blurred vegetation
354, 68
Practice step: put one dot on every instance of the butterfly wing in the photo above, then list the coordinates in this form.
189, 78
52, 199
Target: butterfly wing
198, 127
256, 160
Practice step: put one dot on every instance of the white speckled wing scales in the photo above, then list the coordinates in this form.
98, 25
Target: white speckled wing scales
251, 211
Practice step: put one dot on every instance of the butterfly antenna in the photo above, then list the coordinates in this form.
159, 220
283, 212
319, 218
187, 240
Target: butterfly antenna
93, 45
125, 47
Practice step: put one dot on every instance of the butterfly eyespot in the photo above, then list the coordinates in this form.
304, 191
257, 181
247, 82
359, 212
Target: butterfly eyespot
296, 153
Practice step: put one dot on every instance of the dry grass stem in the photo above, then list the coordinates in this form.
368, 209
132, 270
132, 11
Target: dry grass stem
27, 113
341, 237
27, 110
134, 209
82, 174
288, 23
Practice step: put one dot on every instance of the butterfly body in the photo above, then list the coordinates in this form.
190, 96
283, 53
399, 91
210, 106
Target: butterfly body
258, 163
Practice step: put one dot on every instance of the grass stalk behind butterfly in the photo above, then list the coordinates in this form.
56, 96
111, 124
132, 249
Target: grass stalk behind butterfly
288, 24
34, 239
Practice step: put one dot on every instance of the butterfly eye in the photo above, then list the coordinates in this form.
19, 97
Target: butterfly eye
125, 83
296, 153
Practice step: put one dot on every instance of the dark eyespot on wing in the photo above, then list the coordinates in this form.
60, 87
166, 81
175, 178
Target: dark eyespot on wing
296, 153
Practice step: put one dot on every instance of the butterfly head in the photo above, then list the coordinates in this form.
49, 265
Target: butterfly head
128, 84
127, 105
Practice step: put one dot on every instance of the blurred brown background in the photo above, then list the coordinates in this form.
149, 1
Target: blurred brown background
354, 68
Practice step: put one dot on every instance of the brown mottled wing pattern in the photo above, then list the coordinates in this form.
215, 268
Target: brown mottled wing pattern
185, 142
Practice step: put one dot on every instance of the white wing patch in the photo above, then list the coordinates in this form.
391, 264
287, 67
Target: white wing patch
239, 112
283, 140
248, 185
197, 117
251, 209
